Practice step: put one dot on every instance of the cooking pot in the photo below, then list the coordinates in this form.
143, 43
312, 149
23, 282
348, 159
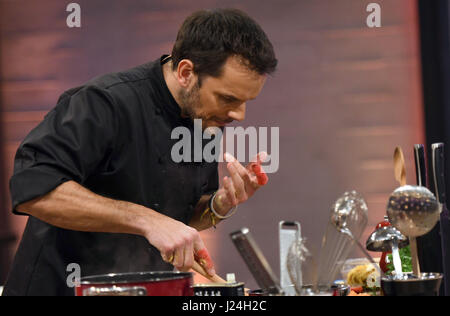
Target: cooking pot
164, 283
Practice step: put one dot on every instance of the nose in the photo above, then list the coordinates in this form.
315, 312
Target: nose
238, 114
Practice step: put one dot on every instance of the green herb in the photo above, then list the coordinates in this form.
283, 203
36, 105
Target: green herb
405, 257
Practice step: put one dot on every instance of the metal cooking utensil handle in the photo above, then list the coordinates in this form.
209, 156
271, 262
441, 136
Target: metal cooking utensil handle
256, 261
396, 258
115, 291
289, 233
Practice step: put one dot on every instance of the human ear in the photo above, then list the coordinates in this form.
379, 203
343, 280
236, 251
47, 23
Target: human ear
185, 73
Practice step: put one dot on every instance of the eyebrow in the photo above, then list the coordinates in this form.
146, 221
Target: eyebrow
231, 97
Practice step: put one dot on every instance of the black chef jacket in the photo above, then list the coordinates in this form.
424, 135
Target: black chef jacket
113, 136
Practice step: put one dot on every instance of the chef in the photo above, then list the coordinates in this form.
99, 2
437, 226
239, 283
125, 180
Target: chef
96, 176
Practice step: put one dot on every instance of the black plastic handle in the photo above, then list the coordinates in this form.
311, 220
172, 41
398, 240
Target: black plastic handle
437, 150
421, 169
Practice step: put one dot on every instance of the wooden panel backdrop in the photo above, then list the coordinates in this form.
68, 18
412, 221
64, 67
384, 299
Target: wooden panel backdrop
344, 95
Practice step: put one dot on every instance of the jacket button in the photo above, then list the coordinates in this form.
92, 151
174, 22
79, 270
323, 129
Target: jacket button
157, 110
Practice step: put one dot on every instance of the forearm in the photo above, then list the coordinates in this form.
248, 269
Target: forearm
71, 206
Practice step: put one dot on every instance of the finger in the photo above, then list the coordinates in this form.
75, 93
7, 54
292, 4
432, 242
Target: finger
238, 183
256, 168
228, 157
188, 257
230, 190
201, 255
258, 177
178, 259
261, 176
250, 184
167, 257
243, 172
246, 177
263, 156
260, 157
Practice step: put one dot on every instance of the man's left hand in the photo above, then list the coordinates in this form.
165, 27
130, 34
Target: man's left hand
242, 183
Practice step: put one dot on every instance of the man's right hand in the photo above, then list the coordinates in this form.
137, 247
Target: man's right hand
71, 206
179, 244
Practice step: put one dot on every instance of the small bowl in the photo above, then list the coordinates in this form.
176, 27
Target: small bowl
427, 284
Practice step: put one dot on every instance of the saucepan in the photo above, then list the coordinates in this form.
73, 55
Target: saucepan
164, 283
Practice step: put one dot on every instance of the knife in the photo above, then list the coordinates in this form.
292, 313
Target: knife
439, 183
429, 245
426, 245
421, 170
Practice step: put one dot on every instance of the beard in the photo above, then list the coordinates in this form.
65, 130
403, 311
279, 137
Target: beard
192, 108
191, 105
190, 102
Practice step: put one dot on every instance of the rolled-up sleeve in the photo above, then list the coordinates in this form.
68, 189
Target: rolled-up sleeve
69, 144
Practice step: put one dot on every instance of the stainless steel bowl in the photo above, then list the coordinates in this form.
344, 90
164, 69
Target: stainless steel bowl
427, 284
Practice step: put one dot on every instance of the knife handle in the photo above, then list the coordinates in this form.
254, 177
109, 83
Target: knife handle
437, 150
421, 170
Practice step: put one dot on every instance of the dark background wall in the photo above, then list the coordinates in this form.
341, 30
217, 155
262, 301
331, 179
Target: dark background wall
343, 97
435, 48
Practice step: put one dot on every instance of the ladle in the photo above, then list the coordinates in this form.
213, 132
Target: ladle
413, 210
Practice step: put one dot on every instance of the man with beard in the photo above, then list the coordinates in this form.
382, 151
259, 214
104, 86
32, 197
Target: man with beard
96, 177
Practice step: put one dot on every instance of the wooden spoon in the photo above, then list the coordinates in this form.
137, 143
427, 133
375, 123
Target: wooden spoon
199, 269
399, 166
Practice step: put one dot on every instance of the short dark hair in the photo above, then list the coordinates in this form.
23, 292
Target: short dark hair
209, 37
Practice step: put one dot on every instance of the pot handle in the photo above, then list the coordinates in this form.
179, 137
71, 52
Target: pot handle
115, 291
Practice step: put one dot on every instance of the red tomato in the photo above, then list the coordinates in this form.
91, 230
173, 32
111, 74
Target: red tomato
357, 290
260, 174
